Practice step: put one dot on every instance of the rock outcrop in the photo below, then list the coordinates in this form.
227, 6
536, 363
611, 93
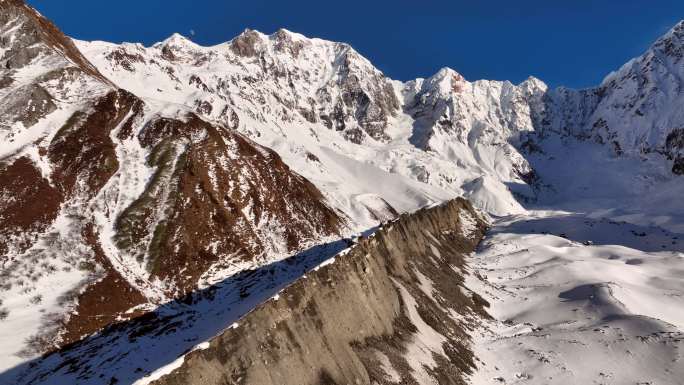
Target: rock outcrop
392, 309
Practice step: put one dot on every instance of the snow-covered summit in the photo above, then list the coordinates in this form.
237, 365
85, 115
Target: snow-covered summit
446, 81
639, 112
176, 41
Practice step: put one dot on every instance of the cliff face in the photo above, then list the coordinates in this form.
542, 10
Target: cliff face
393, 309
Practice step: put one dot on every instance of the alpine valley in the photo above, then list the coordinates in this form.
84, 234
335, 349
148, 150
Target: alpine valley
275, 210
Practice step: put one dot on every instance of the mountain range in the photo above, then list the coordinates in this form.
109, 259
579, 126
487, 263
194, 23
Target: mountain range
139, 181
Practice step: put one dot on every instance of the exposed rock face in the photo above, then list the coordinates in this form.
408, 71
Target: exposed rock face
28, 205
384, 312
29, 42
248, 44
453, 115
27, 35
215, 199
44, 79
48, 229
216, 194
82, 153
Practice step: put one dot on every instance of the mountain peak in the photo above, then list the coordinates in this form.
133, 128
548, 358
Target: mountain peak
175, 40
32, 36
677, 31
248, 43
176, 37
678, 27
445, 72
534, 83
283, 34
446, 80
254, 33
671, 43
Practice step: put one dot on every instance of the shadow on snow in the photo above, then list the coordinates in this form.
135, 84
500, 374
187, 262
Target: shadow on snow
128, 351
599, 231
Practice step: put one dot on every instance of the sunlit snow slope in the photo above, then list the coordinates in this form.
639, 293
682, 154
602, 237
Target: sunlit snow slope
580, 299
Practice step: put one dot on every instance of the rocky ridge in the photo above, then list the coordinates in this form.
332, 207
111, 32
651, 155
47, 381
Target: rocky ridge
392, 308
386, 305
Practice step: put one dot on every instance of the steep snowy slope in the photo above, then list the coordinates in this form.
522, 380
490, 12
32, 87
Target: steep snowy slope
640, 110
45, 81
111, 205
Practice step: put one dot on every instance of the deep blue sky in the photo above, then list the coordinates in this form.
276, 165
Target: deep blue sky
563, 42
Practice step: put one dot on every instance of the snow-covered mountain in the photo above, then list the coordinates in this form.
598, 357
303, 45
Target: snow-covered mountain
323, 107
112, 204
640, 108
330, 113
131, 176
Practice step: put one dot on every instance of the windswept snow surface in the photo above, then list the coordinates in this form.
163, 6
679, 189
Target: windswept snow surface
587, 287
571, 312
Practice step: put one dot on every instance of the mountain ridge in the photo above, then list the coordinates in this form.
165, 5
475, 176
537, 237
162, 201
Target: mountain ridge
515, 114
146, 174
